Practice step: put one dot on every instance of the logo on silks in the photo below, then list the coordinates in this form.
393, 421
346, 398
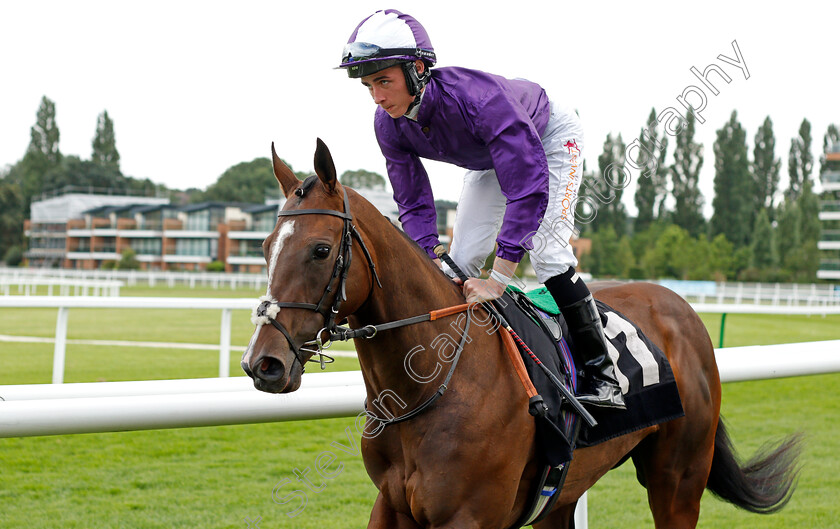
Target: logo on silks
571, 144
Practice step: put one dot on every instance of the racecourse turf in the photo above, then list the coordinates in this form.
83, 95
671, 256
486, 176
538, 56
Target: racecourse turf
227, 477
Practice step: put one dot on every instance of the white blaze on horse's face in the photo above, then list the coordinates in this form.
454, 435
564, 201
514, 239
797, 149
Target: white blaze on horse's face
286, 231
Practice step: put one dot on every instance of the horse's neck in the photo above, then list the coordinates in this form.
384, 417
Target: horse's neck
411, 285
410, 280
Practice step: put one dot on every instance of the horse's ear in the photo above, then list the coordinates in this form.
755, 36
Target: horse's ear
324, 166
284, 175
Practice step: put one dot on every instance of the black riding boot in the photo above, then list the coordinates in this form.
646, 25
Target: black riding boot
585, 327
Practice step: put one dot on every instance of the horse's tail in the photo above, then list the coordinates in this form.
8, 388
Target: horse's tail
765, 484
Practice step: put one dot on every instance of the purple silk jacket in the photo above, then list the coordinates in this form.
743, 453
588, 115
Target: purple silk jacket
477, 121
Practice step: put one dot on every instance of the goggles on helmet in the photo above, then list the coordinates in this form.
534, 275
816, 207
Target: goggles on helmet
356, 70
364, 51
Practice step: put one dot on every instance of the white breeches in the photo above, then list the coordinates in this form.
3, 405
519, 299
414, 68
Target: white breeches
481, 207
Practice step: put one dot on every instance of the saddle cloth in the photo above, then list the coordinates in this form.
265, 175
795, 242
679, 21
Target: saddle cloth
642, 370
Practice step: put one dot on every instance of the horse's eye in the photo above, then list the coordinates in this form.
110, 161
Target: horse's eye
322, 251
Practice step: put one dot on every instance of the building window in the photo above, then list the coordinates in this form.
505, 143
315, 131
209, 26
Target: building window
265, 222
193, 247
146, 246
198, 221
250, 249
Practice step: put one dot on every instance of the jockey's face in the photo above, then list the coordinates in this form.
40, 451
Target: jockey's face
388, 89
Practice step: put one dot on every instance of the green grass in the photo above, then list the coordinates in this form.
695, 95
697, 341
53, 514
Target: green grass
756, 412
216, 477
162, 291
32, 363
200, 477
766, 329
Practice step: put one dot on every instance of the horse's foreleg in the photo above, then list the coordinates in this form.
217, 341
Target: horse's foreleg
384, 517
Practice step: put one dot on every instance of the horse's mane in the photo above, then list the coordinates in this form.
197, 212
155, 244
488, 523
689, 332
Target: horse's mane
415, 247
421, 253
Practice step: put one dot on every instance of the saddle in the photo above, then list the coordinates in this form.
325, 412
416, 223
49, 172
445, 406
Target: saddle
642, 369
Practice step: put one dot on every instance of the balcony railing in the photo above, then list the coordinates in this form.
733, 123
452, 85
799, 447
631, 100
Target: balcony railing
105, 249
830, 177
255, 228
151, 225
830, 264
48, 227
829, 206
830, 235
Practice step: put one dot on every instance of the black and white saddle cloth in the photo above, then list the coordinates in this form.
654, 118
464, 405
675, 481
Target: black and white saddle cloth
643, 372
646, 379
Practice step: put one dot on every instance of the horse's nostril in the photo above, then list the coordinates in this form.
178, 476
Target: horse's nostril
270, 369
245, 367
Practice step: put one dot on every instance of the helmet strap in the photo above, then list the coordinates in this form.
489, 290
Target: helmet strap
411, 107
415, 82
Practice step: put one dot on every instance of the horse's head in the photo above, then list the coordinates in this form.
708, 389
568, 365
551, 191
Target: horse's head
312, 282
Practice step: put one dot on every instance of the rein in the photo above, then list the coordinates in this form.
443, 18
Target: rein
269, 309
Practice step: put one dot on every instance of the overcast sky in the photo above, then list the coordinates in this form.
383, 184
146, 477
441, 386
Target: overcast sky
195, 87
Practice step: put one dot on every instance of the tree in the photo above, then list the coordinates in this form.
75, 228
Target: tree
800, 160
11, 216
809, 255
41, 155
44, 135
625, 257
148, 188
733, 203
586, 207
606, 189
788, 231
764, 256
720, 258
685, 176
765, 168
652, 185
244, 182
362, 179
643, 240
128, 260
797, 234
610, 256
105, 144
644, 199
741, 260
809, 208
672, 255
215, 266
72, 171
13, 256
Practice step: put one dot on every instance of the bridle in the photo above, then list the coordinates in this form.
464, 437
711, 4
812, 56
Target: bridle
336, 332
340, 270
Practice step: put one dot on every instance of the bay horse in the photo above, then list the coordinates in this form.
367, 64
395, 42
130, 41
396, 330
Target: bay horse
469, 460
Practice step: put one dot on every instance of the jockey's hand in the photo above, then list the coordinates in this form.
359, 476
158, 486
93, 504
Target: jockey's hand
438, 263
478, 290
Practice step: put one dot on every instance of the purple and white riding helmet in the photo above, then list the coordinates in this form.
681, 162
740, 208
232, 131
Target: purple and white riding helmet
387, 38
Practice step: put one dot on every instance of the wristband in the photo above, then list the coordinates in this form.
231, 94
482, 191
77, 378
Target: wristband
499, 278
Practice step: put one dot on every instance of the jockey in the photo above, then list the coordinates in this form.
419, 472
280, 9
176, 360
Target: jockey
523, 158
